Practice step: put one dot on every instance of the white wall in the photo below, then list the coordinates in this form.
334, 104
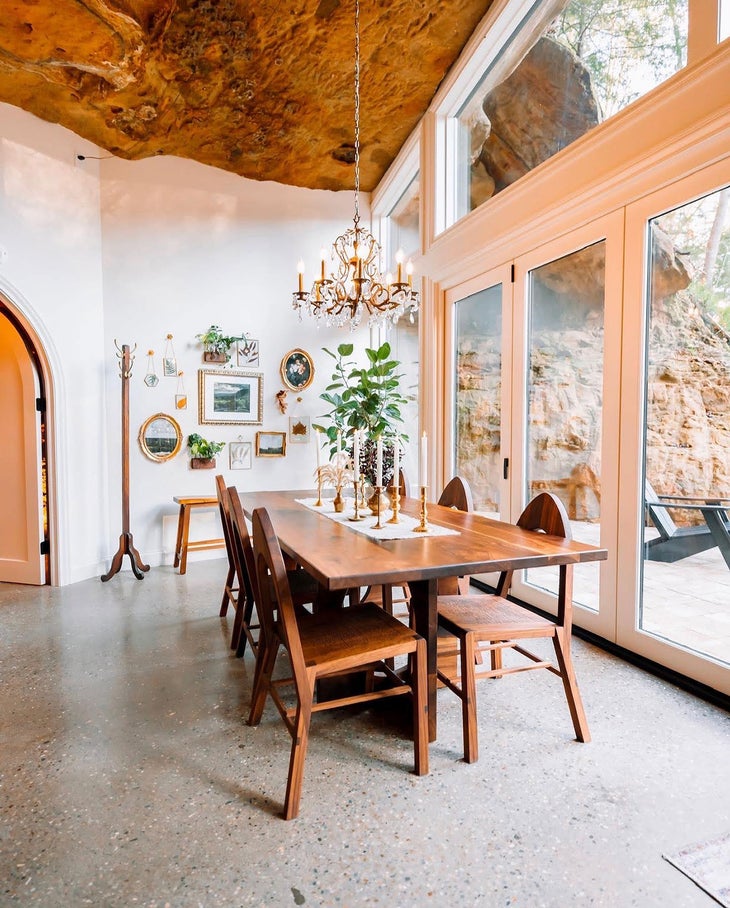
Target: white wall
50, 227
133, 251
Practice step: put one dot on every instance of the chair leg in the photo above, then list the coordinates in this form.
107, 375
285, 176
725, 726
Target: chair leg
238, 621
468, 699
570, 684
420, 709
300, 740
227, 593
261, 680
247, 614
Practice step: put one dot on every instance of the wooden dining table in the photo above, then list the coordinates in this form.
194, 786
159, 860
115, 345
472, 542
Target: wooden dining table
341, 559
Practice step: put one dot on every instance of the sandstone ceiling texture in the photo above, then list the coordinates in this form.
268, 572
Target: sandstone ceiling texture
261, 88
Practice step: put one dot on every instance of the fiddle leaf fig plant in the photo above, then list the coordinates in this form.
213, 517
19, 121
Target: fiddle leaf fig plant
202, 449
364, 397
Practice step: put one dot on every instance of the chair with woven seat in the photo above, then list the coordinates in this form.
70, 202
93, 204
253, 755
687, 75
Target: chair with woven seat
231, 588
499, 624
305, 589
332, 642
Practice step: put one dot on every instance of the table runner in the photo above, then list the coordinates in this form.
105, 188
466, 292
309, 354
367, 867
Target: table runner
401, 530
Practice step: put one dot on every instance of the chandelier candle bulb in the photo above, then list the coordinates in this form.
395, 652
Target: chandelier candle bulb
409, 272
399, 261
300, 272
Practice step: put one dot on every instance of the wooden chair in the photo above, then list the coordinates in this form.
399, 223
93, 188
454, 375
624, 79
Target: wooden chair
500, 624
673, 542
305, 589
230, 591
333, 642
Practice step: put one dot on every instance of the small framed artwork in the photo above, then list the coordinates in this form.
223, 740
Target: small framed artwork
247, 353
169, 366
299, 430
181, 401
240, 455
234, 398
297, 370
271, 444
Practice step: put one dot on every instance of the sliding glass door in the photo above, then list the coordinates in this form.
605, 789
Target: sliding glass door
681, 476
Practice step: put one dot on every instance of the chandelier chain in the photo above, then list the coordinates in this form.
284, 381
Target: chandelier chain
357, 112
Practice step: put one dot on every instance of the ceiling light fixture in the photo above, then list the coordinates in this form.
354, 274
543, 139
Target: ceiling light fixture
355, 290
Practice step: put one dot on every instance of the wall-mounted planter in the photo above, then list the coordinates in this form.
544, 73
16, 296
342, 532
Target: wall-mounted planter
198, 463
210, 357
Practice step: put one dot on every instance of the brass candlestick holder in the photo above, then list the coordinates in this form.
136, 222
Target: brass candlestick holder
378, 492
363, 502
318, 502
357, 515
423, 525
395, 503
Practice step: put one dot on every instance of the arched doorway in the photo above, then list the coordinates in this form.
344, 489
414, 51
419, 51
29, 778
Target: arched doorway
24, 485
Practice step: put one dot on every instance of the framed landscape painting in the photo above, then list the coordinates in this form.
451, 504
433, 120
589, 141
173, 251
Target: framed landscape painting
271, 444
230, 397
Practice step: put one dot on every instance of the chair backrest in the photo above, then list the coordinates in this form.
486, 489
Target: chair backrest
220, 489
658, 512
276, 608
241, 542
546, 514
457, 494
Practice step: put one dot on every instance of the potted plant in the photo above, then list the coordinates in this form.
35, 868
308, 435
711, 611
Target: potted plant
367, 398
202, 452
217, 345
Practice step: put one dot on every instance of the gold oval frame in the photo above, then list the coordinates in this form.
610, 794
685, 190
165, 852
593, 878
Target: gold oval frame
296, 353
144, 445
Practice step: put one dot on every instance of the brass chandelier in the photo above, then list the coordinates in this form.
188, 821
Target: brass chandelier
355, 290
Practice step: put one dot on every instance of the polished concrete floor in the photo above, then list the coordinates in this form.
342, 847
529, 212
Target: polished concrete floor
129, 777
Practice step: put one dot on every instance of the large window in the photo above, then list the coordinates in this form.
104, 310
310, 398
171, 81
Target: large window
556, 79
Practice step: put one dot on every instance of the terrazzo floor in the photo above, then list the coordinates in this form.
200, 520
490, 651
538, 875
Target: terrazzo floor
129, 777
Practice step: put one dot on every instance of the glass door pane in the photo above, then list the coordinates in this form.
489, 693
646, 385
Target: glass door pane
478, 396
565, 371
685, 586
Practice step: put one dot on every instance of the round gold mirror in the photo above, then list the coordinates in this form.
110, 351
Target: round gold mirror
160, 437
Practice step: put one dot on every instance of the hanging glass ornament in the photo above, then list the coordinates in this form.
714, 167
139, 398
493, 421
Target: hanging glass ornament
151, 379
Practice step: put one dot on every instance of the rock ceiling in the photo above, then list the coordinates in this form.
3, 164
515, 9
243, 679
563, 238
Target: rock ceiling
261, 88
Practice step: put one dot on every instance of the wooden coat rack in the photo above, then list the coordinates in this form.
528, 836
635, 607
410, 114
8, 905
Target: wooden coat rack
126, 544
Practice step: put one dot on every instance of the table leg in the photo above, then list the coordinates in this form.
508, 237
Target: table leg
424, 594
714, 518
178, 541
185, 539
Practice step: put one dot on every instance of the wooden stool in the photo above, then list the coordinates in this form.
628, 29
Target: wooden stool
182, 544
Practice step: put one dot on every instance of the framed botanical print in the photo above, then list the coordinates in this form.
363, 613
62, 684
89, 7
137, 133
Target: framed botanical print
299, 430
231, 397
240, 455
297, 370
247, 353
271, 444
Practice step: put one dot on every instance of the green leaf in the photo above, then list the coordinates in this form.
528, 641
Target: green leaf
345, 349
